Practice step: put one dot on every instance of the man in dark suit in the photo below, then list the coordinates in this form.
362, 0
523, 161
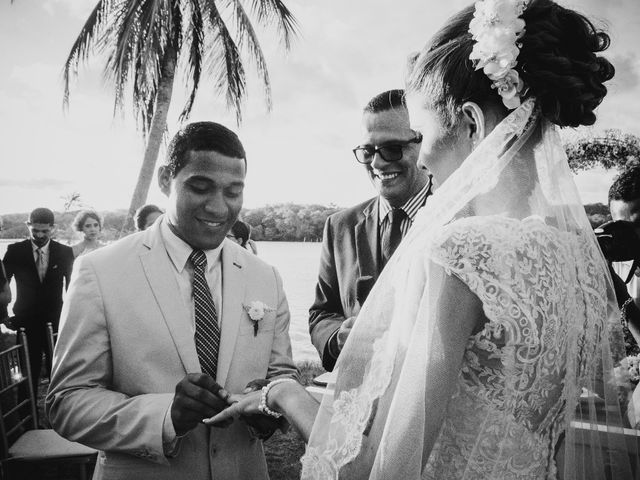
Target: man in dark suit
358, 241
41, 268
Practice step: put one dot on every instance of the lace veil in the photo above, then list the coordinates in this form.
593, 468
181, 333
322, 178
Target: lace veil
534, 387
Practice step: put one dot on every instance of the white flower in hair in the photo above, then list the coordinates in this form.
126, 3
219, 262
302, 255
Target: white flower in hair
496, 29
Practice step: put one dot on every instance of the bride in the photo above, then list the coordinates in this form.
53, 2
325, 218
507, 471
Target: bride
469, 357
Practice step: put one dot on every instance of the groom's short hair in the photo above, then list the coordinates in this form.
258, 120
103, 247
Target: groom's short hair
202, 136
386, 101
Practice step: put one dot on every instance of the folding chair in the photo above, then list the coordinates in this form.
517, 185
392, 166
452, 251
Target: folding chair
25, 449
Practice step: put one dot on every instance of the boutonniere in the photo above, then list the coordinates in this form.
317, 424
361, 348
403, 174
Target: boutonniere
256, 311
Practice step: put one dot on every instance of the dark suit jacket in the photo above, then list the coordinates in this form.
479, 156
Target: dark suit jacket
350, 251
38, 302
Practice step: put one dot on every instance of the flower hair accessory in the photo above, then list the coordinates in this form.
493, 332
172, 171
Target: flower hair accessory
497, 29
256, 311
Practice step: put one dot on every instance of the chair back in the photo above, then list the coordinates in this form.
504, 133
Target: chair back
17, 398
52, 337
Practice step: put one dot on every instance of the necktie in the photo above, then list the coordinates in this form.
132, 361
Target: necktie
40, 263
206, 318
392, 235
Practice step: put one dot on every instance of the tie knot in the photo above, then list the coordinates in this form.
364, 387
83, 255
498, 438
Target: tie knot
198, 258
396, 215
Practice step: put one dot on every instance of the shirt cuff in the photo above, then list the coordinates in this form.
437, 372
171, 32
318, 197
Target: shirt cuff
170, 442
332, 345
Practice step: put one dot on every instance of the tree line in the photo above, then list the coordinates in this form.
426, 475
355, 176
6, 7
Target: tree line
282, 222
287, 222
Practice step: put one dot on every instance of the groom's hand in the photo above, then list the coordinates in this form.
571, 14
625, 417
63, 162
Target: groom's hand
197, 396
345, 330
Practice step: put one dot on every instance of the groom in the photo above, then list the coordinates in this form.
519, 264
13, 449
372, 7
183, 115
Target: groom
151, 321
357, 242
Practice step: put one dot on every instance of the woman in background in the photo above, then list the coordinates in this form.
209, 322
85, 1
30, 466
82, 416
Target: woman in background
89, 223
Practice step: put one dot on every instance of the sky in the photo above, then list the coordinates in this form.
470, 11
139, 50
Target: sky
347, 52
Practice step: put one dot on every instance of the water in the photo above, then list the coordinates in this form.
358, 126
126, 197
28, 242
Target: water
298, 265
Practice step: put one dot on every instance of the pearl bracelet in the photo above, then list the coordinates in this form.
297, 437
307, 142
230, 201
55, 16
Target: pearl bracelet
263, 398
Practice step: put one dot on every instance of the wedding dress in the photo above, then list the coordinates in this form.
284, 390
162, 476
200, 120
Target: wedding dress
510, 226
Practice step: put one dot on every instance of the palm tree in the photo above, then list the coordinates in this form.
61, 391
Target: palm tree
146, 41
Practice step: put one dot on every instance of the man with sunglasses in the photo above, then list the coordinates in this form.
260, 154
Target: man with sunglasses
358, 242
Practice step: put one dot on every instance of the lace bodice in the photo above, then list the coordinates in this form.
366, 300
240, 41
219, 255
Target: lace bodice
511, 396
534, 283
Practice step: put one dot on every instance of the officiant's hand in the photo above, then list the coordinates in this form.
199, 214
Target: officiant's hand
344, 331
197, 396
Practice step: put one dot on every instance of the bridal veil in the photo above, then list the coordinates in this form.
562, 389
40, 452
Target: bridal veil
533, 396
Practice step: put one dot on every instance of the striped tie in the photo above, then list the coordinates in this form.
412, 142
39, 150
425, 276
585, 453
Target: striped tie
207, 330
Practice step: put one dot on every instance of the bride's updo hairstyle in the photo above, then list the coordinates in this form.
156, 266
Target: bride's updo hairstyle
558, 62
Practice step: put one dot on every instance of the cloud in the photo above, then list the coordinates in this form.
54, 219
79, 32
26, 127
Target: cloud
35, 183
76, 8
627, 72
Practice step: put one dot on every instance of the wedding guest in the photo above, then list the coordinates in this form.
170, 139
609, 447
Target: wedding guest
41, 268
5, 294
89, 223
152, 320
496, 318
241, 234
5, 290
624, 204
146, 215
358, 242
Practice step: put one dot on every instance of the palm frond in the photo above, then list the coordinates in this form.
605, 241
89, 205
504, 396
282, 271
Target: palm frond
194, 62
268, 11
246, 33
122, 40
83, 44
226, 65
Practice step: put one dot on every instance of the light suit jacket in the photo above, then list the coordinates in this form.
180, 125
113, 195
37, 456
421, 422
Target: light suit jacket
125, 343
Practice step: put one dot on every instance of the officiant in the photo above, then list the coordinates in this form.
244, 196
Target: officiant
358, 242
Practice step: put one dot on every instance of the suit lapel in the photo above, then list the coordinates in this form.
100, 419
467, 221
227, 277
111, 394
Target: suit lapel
53, 258
162, 280
367, 240
233, 290
28, 254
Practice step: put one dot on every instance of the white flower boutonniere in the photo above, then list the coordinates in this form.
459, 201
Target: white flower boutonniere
256, 311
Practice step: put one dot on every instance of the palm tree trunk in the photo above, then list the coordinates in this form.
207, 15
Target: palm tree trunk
154, 139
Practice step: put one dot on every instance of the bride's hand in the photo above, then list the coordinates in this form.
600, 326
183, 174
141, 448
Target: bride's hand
241, 405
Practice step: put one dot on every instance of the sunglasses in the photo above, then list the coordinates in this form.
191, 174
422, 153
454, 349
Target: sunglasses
390, 152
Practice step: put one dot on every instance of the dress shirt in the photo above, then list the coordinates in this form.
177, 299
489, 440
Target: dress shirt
633, 287
410, 207
178, 251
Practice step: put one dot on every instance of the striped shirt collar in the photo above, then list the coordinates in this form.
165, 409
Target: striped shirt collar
410, 207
